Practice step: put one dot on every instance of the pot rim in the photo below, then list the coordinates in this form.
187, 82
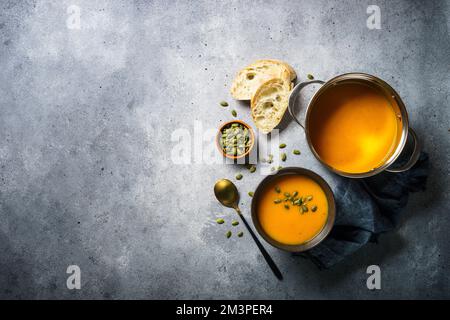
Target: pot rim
371, 79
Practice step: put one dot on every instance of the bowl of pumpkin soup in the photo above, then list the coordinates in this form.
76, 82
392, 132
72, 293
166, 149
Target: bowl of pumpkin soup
294, 209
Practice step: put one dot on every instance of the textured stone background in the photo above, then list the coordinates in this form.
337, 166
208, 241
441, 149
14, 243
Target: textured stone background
86, 118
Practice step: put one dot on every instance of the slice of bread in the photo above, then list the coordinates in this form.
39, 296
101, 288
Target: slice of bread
269, 103
254, 75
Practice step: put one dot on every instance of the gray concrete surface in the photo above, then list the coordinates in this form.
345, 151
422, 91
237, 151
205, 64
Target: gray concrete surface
86, 118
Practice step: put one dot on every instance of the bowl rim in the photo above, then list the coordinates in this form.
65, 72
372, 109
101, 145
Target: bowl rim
219, 134
319, 237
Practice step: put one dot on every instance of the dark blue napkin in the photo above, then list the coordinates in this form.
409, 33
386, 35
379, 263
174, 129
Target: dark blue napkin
365, 208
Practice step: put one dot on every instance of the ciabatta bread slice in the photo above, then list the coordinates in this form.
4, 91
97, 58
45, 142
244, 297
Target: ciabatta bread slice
254, 75
269, 103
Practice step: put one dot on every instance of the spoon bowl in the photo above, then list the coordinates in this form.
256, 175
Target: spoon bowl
227, 193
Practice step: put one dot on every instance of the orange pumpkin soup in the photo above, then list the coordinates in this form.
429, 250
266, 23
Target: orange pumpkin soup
292, 209
354, 128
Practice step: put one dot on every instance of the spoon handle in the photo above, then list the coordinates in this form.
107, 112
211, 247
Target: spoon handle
265, 254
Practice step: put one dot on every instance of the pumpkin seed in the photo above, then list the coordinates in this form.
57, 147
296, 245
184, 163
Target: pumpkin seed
277, 189
286, 206
250, 193
309, 198
282, 145
295, 193
297, 152
234, 113
304, 208
228, 234
252, 169
283, 156
220, 221
314, 208
310, 76
277, 201
234, 223
224, 104
240, 234
287, 194
239, 176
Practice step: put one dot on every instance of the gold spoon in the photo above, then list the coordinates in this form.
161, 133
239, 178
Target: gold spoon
228, 195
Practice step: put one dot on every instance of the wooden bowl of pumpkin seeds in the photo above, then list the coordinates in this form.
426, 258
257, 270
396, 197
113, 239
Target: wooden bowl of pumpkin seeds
235, 139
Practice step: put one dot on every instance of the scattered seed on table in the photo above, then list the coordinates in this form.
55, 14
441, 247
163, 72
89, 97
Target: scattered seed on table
220, 221
252, 169
310, 76
228, 234
224, 104
239, 176
234, 113
297, 152
283, 156
240, 234
250, 193
234, 223
282, 145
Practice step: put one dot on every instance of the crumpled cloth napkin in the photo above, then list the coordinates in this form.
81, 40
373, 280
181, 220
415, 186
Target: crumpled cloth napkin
365, 208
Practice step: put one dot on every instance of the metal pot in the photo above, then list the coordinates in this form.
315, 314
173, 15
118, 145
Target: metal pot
407, 133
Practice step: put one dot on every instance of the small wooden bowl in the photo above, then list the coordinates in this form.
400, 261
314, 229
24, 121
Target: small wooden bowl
252, 140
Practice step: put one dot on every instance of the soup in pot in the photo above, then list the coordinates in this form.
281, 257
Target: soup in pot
354, 128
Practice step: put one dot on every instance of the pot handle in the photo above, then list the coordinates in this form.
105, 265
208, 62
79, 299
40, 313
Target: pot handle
414, 156
293, 97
